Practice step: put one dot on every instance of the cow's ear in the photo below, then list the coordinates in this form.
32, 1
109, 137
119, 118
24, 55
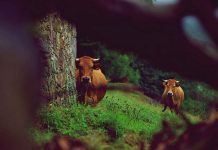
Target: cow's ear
77, 62
177, 83
96, 64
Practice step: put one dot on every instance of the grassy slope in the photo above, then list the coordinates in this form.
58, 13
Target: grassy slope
123, 118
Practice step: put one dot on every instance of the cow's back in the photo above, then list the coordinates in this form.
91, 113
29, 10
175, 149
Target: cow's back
178, 96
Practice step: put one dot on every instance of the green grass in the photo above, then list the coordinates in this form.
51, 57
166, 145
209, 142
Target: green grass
41, 136
119, 121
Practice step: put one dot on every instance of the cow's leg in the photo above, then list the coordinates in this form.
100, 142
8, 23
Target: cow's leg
171, 109
88, 100
176, 108
94, 100
81, 98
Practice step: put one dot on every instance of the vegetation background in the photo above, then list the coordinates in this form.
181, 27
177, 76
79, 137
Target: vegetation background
130, 112
199, 97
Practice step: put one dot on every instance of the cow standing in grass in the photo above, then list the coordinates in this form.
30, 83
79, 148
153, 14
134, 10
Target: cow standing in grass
173, 95
91, 83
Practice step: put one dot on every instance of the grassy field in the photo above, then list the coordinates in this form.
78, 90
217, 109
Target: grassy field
123, 119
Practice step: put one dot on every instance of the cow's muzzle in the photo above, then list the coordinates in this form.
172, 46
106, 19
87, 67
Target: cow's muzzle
169, 94
86, 79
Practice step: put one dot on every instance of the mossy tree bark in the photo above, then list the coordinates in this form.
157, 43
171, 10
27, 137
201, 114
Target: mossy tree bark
58, 39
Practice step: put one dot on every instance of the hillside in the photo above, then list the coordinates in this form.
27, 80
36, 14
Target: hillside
123, 119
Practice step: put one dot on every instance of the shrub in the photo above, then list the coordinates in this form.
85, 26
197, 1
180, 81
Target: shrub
151, 78
195, 107
118, 65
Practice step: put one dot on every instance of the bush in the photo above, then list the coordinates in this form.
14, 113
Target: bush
151, 79
201, 91
118, 65
195, 107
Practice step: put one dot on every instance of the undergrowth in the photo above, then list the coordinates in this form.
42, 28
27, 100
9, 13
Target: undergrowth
118, 118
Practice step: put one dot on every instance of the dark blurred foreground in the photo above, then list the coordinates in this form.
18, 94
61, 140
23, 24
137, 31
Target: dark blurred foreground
201, 136
66, 143
120, 24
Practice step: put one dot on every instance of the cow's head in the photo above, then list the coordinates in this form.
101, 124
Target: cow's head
170, 86
86, 65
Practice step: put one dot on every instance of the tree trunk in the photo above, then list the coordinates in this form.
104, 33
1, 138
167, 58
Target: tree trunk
58, 39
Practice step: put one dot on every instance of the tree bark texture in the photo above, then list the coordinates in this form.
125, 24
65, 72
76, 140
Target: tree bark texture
58, 39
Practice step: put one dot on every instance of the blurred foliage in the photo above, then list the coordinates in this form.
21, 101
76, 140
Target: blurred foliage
143, 1
199, 136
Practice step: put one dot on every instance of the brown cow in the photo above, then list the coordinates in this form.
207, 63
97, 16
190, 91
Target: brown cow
173, 95
91, 83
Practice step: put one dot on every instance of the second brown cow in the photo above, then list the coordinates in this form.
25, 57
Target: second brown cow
91, 83
173, 95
